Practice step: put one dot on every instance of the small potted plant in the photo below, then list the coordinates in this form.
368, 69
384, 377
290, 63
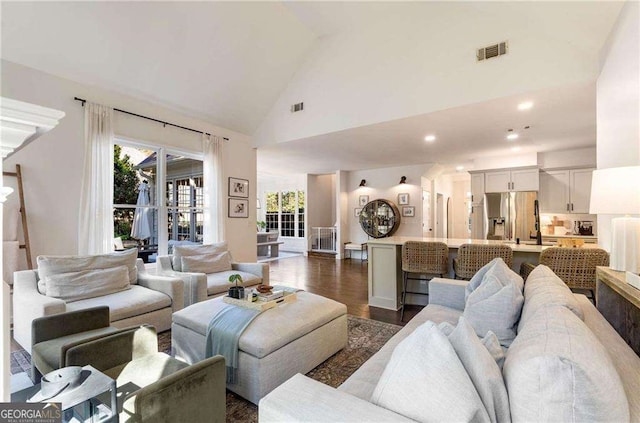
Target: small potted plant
262, 225
236, 291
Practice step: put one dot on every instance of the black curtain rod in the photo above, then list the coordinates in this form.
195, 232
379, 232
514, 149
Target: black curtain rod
149, 118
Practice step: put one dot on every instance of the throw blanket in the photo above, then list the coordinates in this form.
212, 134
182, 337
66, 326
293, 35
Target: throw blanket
223, 336
224, 331
285, 288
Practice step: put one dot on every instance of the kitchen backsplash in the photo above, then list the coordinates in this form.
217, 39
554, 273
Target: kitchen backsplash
567, 224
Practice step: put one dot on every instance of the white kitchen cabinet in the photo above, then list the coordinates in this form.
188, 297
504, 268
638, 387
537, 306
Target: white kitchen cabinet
554, 191
512, 180
477, 187
565, 191
497, 181
525, 180
580, 190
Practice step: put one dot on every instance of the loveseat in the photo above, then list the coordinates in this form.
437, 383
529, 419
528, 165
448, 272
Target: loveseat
566, 363
205, 270
118, 280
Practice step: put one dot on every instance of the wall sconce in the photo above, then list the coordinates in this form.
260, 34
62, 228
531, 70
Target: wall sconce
403, 179
363, 183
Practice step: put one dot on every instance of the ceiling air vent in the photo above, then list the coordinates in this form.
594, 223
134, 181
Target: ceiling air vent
298, 107
492, 51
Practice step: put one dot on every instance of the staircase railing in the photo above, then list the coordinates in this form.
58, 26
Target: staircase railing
323, 239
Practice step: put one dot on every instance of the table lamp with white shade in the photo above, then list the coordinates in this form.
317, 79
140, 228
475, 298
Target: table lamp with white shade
617, 191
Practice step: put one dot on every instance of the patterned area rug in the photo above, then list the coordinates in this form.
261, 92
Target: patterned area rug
366, 337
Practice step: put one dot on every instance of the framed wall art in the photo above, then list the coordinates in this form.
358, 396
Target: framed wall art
363, 200
238, 187
403, 199
408, 211
238, 207
356, 212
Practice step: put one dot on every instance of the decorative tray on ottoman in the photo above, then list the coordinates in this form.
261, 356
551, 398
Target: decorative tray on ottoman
288, 297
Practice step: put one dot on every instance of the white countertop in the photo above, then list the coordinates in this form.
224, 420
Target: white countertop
570, 236
457, 242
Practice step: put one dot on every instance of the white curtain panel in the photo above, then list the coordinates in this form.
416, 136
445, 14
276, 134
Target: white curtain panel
213, 189
95, 232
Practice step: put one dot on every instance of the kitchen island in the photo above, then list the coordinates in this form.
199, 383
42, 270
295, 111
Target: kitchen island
385, 266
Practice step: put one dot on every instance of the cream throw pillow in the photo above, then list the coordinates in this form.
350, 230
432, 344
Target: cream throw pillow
476, 280
180, 251
75, 286
483, 371
207, 263
424, 380
496, 302
495, 306
498, 268
490, 342
55, 265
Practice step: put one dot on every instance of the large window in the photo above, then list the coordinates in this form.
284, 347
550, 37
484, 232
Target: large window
285, 213
144, 174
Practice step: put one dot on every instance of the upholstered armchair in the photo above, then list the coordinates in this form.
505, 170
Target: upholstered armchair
153, 386
205, 270
70, 283
53, 335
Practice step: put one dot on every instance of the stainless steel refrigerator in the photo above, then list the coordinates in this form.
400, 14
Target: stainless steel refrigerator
510, 216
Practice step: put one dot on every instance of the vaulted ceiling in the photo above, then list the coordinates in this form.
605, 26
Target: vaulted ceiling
375, 77
225, 62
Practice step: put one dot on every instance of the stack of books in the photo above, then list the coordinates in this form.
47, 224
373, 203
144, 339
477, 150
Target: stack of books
274, 295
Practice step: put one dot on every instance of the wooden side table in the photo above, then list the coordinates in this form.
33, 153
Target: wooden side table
619, 303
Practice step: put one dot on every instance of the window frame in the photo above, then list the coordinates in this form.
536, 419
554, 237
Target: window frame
298, 214
160, 192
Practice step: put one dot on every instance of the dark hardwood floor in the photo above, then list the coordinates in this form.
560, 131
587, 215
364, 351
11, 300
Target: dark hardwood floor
342, 280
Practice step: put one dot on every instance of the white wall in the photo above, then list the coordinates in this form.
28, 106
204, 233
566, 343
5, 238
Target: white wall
343, 188
321, 202
503, 162
443, 185
618, 102
579, 157
460, 211
409, 66
52, 164
384, 184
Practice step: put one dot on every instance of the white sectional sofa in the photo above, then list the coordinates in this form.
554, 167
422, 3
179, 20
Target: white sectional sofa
566, 364
134, 297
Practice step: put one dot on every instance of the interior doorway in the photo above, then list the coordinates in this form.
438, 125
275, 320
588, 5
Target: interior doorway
427, 229
449, 217
440, 216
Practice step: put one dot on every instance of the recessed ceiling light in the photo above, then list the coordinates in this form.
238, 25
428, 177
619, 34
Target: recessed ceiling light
430, 138
525, 106
459, 168
515, 148
512, 136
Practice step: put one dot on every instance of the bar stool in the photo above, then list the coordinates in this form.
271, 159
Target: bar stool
471, 257
575, 266
423, 258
